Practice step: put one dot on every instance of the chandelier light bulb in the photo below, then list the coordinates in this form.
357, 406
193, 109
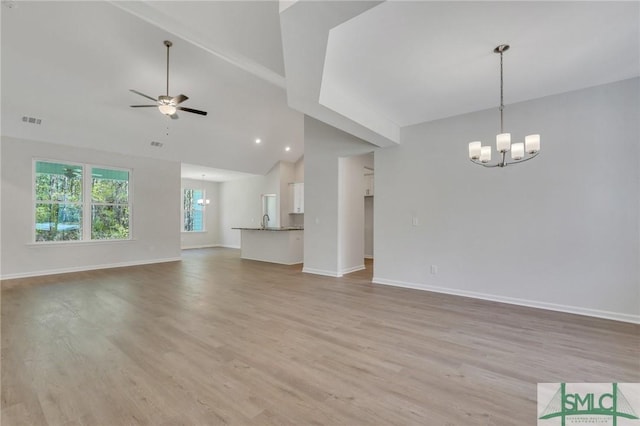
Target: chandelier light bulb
503, 142
474, 150
532, 143
485, 154
517, 151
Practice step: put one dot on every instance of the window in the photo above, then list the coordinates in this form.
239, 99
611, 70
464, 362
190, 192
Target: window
73, 198
58, 197
193, 212
109, 204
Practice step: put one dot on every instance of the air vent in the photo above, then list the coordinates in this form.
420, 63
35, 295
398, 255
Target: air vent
157, 144
31, 120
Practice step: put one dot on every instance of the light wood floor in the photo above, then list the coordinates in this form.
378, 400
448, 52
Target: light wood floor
219, 340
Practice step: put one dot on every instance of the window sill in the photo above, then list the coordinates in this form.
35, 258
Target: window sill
193, 232
78, 243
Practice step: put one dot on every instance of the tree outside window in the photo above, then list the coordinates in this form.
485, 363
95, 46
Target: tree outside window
193, 213
109, 204
58, 197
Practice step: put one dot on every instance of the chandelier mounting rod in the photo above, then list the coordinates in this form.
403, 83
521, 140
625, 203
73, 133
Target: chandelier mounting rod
500, 49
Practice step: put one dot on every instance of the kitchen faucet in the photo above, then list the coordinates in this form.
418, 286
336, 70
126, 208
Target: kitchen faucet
264, 222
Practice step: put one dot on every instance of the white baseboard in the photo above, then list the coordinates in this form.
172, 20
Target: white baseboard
87, 268
514, 301
272, 261
199, 247
352, 269
321, 272
226, 246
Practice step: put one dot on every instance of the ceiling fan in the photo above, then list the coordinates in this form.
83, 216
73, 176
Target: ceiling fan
168, 105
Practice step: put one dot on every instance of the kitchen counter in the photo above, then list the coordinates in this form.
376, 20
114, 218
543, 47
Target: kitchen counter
290, 228
272, 244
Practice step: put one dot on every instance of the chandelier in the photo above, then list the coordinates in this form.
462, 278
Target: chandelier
203, 201
520, 152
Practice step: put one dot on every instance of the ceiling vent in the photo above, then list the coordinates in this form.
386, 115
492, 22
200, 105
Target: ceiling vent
157, 144
31, 120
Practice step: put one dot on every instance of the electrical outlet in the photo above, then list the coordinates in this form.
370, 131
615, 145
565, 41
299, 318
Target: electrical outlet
414, 221
434, 269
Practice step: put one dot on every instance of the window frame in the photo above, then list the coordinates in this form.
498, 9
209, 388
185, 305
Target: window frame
182, 210
86, 202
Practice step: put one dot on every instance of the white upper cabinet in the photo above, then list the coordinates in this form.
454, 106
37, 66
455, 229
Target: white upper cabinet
298, 197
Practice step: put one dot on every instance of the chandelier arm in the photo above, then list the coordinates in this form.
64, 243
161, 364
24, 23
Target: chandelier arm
532, 156
505, 163
483, 164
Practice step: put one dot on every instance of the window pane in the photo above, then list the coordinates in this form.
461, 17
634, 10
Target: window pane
58, 222
193, 220
58, 182
193, 212
187, 199
109, 186
109, 222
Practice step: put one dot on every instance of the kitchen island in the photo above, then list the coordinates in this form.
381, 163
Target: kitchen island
275, 245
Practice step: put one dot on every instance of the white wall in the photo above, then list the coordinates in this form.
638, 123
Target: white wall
299, 170
210, 237
560, 231
240, 204
155, 222
287, 176
324, 145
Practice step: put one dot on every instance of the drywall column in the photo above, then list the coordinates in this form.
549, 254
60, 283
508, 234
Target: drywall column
324, 145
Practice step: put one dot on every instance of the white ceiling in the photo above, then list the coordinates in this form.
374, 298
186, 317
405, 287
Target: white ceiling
366, 67
397, 63
412, 62
197, 172
72, 65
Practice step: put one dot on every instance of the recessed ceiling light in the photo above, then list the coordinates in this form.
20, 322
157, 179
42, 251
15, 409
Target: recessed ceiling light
258, 140
288, 148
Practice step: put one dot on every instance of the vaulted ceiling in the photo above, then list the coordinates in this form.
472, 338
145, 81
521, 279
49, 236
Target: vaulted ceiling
366, 67
71, 64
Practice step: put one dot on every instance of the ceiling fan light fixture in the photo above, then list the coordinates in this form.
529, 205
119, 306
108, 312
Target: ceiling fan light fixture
168, 105
167, 109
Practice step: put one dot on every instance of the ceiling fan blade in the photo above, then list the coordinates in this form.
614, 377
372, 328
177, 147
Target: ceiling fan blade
179, 99
142, 94
174, 116
143, 106
195, 111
